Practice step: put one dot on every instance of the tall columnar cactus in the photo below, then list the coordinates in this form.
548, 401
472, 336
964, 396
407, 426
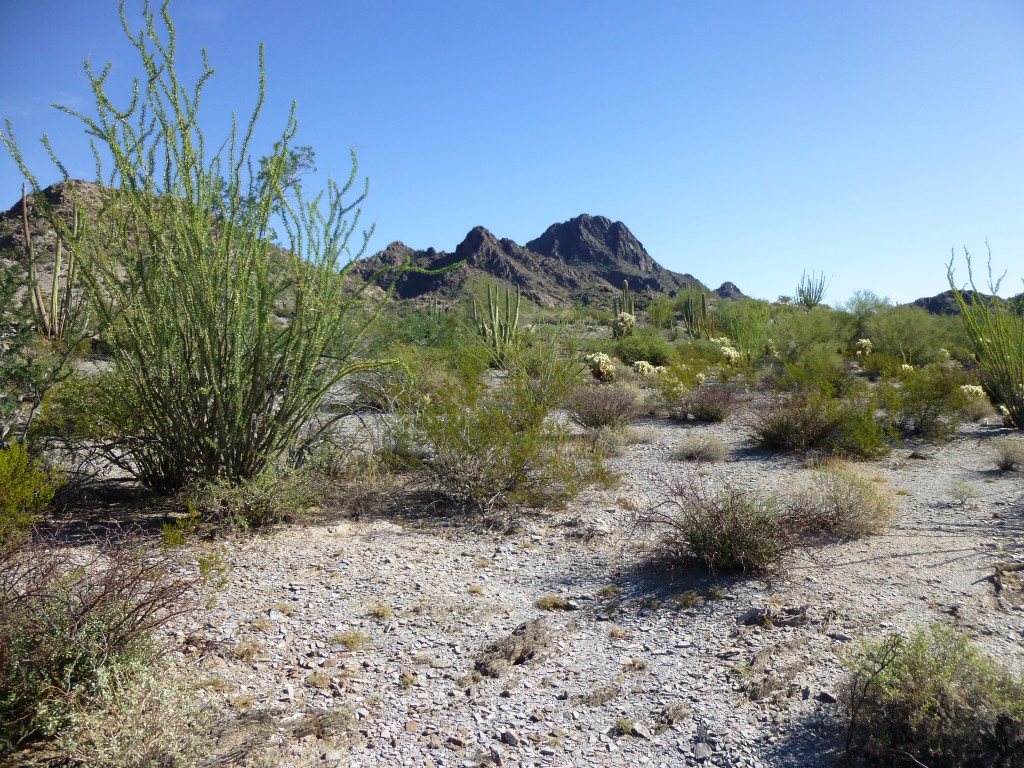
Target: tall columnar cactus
700, 321
625, 301
501, 327
55, 319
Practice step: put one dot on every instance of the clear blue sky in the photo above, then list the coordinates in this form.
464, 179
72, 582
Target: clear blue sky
738, 140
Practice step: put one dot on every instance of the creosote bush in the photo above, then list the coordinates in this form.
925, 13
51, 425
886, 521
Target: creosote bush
489, 443
273, 496
73, 621
933, 699
924, 401
603, 405
723, 528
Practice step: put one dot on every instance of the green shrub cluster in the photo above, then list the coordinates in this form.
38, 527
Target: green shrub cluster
25, 490
924, 401
933, 699
722, 528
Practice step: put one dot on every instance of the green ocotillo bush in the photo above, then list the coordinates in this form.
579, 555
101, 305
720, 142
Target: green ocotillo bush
223, 345
996, 332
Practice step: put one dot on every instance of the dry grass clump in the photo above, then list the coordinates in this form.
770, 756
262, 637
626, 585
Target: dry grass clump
700, 447
842, 504
722, 528
553, 602
1009, 453
604, 405
933, 699
143, 717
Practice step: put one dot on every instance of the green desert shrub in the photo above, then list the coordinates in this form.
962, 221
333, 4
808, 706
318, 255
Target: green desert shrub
812, 420
72, 621
840, 504
745, 322
644, 344
25, 490
911, 334
275, 495
924, 401
224, 345
799, 334
826, 373
722, 528
143, 716
490, 444
933, 699
603, 405
995, 329
795, 422
879, 365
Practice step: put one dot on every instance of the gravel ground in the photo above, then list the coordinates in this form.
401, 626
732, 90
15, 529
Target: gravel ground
364, 642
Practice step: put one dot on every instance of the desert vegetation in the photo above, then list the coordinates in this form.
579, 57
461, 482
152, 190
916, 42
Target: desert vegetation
232, 382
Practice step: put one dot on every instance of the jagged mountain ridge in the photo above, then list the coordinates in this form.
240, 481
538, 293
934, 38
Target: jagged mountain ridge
585, 259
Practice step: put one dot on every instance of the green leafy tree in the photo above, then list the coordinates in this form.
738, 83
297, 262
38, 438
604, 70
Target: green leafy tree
224, 346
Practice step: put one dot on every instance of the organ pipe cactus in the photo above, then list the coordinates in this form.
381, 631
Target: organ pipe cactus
55, 317
500, 328
625, 301
700, 321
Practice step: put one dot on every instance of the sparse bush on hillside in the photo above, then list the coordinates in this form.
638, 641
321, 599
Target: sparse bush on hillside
933, 699
996, 332
604, 405
210, 382
722, 528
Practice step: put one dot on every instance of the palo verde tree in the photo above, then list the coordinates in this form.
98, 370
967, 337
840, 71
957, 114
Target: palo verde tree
224, 345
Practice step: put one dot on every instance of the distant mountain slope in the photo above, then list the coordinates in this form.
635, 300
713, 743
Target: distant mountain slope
945, 303
585, 259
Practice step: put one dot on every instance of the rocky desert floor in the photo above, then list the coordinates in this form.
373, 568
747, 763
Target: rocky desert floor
411, 639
